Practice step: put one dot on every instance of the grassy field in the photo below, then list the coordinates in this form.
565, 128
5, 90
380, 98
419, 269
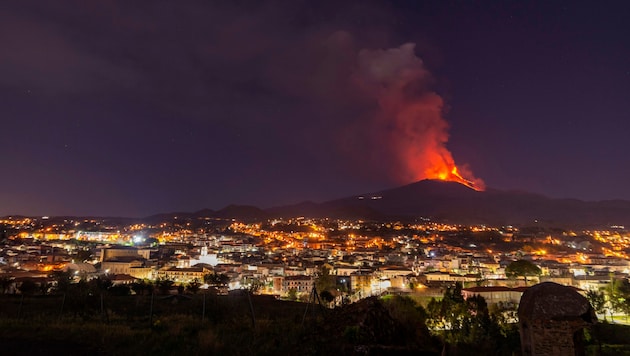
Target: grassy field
609, 339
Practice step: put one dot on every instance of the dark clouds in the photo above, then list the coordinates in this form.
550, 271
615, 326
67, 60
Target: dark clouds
184, 105
131, 108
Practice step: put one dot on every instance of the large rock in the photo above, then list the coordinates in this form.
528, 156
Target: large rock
551, 319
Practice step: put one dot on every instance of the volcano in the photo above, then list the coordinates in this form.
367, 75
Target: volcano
441, 201
454, 202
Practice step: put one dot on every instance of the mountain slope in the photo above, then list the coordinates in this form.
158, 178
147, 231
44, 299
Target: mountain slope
441, 201
454, 202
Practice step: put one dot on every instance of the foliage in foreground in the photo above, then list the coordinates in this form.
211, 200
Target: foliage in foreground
468, 324
257, 325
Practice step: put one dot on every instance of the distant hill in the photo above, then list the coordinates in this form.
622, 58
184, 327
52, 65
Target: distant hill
240, 212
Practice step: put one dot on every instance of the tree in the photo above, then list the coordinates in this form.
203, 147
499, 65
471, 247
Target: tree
522, 268
597, 300
325, 281
28, 287
411, 315
101, 285
44, 287
478, 325
326, 296
292, 294
63, 279
447, 313
454, 293
77, 297
464, 321
141, 286
216, 279
5, 283
193, 287
626, 307
164, 285
252, 285
619, 295
149, 286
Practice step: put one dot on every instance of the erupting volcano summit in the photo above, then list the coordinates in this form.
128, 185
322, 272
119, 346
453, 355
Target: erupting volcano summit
409, 121
454, 176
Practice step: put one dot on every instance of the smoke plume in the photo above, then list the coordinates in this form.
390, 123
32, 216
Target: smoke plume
408, 122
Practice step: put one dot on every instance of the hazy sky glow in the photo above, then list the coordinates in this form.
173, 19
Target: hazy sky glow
133, 108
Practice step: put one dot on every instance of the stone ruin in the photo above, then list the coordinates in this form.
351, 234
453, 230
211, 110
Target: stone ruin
551, 320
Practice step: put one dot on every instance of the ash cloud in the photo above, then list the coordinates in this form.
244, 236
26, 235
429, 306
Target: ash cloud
408, 123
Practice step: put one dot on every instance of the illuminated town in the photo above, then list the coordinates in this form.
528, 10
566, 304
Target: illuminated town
284, 257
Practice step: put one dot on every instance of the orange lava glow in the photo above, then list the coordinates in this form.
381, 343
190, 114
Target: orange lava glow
446, 170
454, 176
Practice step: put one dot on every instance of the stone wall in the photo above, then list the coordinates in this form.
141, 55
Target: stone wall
551, 319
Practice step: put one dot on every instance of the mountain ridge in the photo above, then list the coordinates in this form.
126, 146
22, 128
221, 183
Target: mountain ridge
439, 201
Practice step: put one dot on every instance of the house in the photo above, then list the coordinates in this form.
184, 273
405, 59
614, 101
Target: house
390, 272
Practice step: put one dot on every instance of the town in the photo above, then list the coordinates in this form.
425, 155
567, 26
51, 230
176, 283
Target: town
347, 259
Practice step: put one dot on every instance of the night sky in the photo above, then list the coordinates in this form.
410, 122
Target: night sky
131, 108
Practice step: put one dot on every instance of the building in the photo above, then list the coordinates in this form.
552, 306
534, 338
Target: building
183, 275
300, 283
109, 253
